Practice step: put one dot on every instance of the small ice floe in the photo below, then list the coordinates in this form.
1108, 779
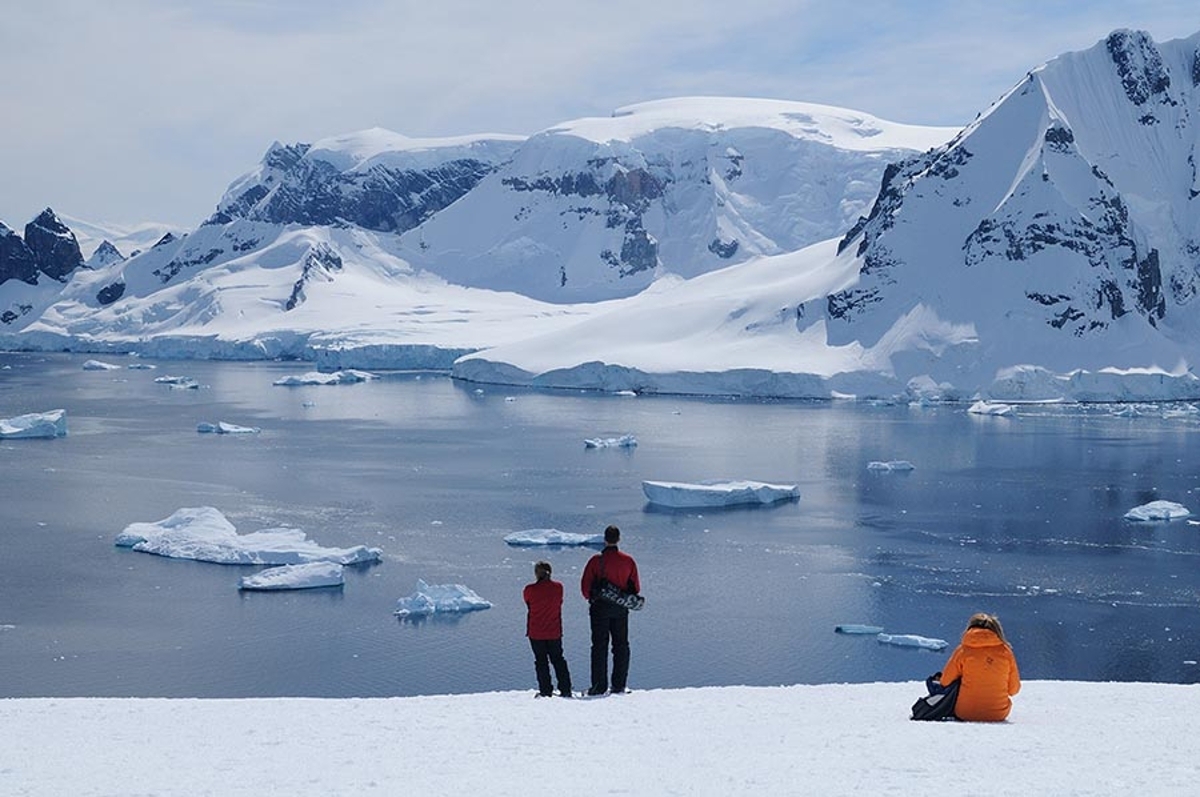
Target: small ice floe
530, 537
439, 599
99, 365
1158, 510
624, 441
305, 576
626, 393
1181, 411
717, 493
178, 382
991, 408
220, 427
46, 425
891, 465
348, 377
912, 641
141, 367
857, 628
206, 535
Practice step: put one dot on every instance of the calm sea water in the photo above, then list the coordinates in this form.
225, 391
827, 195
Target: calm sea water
1022, 517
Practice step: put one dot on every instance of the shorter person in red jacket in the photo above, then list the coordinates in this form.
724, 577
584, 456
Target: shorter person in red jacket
543, 626
988, 669
609, 621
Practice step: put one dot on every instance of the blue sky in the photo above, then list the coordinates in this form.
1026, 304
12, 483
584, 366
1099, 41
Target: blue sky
140, 110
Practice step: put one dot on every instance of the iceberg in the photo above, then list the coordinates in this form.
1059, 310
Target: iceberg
624, 441
220, 427
991, 408
439, 599
552, 537
891, 465
912, 641
306, 576
97, 365
206, 535
346, 377
141, 367
1158, 510
717, 493
35, 424
857, 628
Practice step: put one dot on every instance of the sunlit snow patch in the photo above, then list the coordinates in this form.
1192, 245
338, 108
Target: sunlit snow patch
220, 427
440, 599
305, 576
1158, 510
35, 424
717, 493
624, 441
552, 537
204, 534
347, 377
912, 641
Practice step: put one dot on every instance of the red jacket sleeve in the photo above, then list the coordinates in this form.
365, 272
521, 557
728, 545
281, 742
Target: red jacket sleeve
589, 576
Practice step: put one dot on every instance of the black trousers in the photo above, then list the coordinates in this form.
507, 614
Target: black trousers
609, 624
545, 653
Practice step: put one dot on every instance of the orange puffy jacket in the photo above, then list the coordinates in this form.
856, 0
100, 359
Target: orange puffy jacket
989, 675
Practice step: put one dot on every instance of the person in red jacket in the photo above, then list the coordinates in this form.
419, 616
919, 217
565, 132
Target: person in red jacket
543, 626
609, 621
988, 669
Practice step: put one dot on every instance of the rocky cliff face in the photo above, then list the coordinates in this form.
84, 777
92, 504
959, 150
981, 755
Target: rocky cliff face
48, 248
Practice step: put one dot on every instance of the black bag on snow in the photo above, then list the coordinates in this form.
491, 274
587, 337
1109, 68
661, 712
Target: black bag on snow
939, 705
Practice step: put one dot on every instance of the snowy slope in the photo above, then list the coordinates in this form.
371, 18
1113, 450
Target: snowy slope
1063, 738
598, 208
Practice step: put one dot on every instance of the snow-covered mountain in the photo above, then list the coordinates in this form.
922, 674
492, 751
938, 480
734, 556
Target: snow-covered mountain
599, 208
1051, 249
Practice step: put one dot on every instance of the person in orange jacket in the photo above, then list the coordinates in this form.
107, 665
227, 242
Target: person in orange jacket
988, 669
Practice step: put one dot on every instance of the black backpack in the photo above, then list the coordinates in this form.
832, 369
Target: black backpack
937, 706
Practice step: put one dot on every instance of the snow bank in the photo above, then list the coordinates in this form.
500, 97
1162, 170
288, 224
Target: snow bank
204, 534
439, 599
717, 493
306, 576
834, 740
35, 424
530, 537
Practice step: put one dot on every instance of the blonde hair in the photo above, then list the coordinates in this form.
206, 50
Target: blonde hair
989, 621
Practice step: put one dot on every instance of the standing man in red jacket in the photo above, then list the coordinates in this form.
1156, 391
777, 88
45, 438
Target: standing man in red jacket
609, 621
543, 626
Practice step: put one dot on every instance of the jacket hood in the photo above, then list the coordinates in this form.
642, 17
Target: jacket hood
981, 638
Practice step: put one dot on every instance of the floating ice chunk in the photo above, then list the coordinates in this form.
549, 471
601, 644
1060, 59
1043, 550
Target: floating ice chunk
991, 408
624, 441
1158, 510
439, 599
141, 367
912, 641
626, 393
206, 535
717, 493
890, 465
552, 537
35, 424
220, 427
347, 377
856, 628
173, 380
305, 576
97, 365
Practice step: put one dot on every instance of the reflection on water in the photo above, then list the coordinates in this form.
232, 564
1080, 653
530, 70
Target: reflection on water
1019, 516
